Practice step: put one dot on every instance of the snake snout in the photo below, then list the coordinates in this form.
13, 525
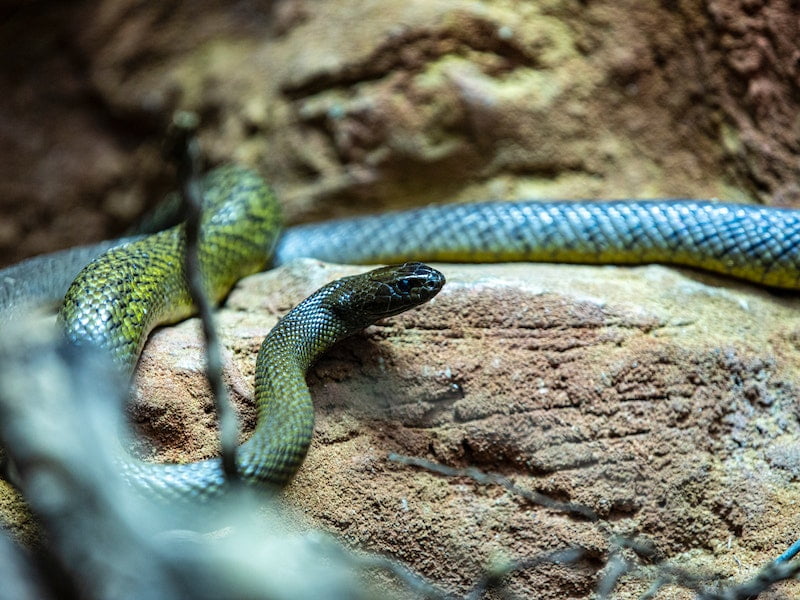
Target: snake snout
409, 285
418, 282
391, 290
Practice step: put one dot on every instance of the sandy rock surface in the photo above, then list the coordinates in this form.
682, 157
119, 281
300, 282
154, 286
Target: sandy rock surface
663, 400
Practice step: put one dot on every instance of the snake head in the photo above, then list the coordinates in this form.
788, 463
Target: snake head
388, 291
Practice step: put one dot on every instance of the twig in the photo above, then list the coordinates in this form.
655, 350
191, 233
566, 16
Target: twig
493, 578
188, 165
761, 581
616, 566
495, 479
410, 580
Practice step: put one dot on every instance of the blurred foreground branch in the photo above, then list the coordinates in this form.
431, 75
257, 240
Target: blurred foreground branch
186, 152
60, 410
626, 556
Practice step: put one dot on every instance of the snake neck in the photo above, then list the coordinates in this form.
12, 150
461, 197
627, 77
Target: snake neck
309, 329
283, 401
285, 421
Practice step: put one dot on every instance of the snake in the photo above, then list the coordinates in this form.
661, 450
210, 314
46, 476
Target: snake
116, 292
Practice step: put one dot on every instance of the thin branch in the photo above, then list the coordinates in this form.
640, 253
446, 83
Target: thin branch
616, 566
760, 582
495, 479
494, 577
407, 578
188, 165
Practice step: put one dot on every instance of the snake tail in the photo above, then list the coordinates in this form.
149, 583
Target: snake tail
755, 243
285, 420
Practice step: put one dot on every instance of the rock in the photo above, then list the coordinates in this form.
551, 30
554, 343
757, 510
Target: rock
664, 400
354, 105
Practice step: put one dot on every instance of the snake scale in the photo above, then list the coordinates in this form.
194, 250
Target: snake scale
127, 290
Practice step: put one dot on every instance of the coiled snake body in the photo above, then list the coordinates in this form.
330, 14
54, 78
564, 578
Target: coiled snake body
120, 296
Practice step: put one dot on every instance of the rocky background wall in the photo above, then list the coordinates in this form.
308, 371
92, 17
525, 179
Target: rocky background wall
664, 400
354, 106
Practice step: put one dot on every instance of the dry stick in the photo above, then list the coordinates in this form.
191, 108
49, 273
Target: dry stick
410, 580
493, 578
616, 567
710, 586
495, 479
671, 575
188, 166
760, 582
774, 572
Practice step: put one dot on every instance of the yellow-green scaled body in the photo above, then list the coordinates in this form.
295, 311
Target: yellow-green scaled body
119, 297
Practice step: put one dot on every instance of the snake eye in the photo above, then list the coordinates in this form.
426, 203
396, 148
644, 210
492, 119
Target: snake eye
403, 285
